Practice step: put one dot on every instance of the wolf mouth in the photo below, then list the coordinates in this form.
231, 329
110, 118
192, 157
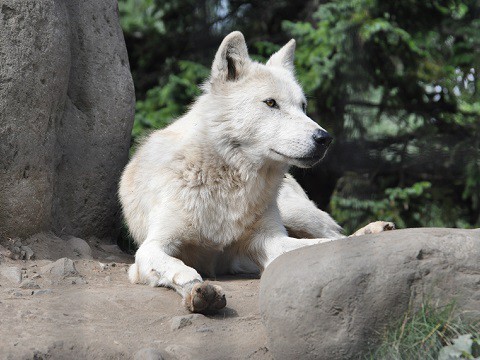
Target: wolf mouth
305, 159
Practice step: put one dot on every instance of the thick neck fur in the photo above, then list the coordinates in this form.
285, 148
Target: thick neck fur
231, 188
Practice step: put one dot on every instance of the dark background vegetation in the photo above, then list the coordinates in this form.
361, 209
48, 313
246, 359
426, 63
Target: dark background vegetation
395, 82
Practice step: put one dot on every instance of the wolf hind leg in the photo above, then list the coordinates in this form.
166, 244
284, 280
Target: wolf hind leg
153, 266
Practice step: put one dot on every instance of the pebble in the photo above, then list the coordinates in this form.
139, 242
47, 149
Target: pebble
57, 344
79, 281
5, 252
80, 247
42, 292
104, 266
26, 252
60, 269
204, 329
179, 322
112, 249
148, 354
180, 352
29, 284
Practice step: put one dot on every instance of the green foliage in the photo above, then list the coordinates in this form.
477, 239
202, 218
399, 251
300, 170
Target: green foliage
472, 180
418, 205
164, 103
140, 16
398, 83
422, 334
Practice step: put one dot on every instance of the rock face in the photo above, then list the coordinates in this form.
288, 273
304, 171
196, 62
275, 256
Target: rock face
66, 111
331, 301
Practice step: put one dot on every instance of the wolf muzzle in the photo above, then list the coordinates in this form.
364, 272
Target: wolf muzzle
322, 141
322, 138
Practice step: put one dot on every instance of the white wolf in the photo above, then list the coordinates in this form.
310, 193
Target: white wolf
209, 194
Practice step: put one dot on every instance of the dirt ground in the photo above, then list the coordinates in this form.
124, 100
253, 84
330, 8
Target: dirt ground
89, 310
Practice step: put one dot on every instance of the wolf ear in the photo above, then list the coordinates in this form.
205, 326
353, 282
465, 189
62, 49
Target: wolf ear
284, 57
231, 60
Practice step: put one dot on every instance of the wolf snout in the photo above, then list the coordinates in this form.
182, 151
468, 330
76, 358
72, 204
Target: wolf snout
322, 138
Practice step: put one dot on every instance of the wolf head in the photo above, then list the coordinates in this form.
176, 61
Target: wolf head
258, 110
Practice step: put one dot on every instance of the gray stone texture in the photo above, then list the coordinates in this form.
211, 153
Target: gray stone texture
80, 247
66, 111
11, 273
60, 269
333, 300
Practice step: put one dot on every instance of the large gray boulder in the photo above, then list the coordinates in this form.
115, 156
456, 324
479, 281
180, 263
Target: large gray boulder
333, 300
66, 112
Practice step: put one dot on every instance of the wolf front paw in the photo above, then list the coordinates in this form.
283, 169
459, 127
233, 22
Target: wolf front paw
375, 228
205, 298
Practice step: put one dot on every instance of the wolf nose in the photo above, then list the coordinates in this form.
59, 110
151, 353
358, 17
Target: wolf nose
322, 137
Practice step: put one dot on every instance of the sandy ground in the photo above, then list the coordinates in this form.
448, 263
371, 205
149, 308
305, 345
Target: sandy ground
91, 311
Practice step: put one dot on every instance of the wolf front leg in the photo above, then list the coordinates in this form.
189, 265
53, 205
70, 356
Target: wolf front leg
301, 217
153, 266
270, 239
273, 247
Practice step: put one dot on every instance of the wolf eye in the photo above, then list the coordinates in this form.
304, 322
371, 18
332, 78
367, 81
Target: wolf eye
271, 103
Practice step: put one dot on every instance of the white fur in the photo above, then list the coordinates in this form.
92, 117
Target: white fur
200, 196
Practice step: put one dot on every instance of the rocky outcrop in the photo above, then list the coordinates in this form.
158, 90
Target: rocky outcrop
332, 301
66, 111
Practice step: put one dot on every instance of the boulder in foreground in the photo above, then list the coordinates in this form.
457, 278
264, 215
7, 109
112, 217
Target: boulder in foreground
333, 300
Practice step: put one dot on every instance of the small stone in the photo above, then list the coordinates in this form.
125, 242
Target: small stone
78, 281
5, 252
179, 322
12, 273
57, 344
42, 292
180, 352
16, 242
148, 354
29, 284
27, 252
80, 247
108, 278
112, 249
102, 266
60, 269
204, 329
